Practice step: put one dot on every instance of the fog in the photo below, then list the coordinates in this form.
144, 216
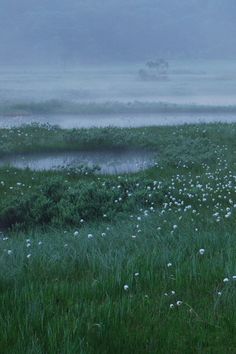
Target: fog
72, 32
126, 63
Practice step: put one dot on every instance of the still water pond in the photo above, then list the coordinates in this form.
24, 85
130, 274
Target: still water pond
109, 162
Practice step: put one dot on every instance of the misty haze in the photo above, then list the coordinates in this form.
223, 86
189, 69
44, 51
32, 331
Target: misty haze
63, 53
117, 176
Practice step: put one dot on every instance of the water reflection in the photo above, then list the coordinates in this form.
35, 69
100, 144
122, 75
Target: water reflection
109, 162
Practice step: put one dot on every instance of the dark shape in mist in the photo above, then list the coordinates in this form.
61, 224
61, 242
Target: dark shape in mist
155, 70
91, 31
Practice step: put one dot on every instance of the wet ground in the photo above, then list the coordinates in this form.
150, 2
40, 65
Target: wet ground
208, 83
109, 162
196, 82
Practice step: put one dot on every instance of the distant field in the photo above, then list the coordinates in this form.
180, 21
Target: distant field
94, 108
133, 263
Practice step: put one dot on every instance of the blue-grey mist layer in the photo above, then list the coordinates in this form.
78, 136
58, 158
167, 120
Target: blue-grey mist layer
92, 31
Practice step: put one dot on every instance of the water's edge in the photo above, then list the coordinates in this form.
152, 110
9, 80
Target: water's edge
68, 121
108, 162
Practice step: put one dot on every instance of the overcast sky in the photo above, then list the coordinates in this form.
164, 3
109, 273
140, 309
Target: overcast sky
103, 31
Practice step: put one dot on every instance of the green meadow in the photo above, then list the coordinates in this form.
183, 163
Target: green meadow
129, 263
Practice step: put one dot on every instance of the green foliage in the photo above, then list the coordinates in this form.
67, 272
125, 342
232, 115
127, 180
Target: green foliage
69, 297
66, 196
57, 202
63, 291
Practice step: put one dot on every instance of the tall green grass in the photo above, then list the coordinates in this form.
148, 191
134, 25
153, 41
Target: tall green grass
69, 296
152, 272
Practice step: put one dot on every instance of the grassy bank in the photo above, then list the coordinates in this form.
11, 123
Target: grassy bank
141, 263
64, 197
174, 143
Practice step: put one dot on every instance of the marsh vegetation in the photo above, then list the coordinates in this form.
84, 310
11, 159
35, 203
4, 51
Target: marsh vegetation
120, 263
117, 177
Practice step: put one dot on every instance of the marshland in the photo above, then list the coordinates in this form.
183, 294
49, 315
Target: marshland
117, 177
89, 259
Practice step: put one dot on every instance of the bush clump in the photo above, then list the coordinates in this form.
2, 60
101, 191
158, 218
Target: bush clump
58, 202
